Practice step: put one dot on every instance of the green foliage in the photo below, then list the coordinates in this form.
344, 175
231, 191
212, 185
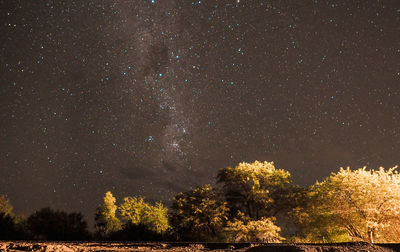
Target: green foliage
106, 220
257, 189
246, 230
315, 222
133, 209
199, 214
47, 224
156, 218
137, 212
352, 205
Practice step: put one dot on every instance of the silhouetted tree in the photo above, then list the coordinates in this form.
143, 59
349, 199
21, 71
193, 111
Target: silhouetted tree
10, 229
137, 232
48, 224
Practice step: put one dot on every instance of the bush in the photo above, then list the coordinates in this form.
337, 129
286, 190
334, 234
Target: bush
47, 224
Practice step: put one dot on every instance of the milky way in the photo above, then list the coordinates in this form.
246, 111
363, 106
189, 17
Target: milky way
153, 97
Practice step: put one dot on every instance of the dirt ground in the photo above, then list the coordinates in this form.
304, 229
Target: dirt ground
178, 247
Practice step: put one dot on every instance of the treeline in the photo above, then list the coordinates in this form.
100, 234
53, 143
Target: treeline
45, 224
252, 202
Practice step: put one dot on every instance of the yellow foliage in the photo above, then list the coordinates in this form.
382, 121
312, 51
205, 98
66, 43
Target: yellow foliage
263, 230
254, 187
198, 214
137, 211
355, 204
5, 207
106, 220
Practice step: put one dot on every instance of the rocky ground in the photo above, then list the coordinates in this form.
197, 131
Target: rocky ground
177, 247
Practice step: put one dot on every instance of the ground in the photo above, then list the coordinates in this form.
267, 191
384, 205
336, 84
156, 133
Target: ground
178, 247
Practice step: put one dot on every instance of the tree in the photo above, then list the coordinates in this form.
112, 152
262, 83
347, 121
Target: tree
137, 212
5, 206
354, 205
257, 189
106, 220
199, 214
9, 228
247, 230
314, 221
156, 218
133, 209
47, 224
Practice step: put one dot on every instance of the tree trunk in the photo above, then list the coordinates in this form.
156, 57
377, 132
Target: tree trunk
371, 236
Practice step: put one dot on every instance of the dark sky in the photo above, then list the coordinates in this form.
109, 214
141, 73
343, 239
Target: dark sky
153, 97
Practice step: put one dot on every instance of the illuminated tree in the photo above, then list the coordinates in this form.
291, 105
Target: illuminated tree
137, 212
257, 189
199, 214
9, 228
133, 209
106, 220
156, 218
5, 206
315, 221
354, 205
246, 230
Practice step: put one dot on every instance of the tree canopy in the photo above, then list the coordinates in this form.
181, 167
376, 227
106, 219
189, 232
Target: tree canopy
137, 212
256, 189
48, 224
246, 230
106, 220
354, 205
5, 206
198, 214
252, 202
9, 228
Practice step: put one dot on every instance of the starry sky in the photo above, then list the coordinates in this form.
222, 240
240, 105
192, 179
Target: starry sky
152, 97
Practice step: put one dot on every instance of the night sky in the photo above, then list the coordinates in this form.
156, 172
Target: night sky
153, 97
